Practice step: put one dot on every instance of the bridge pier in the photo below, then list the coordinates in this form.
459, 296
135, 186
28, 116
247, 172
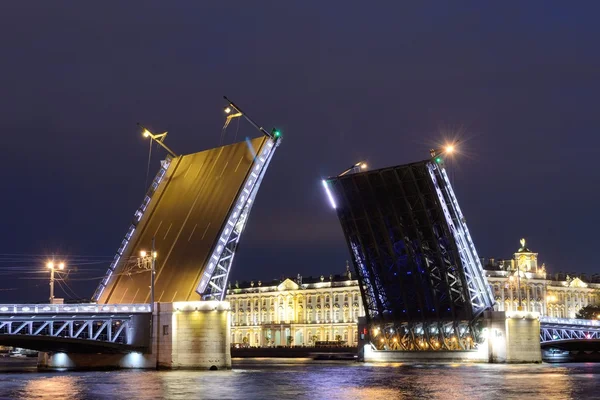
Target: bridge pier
509, 337
185, 335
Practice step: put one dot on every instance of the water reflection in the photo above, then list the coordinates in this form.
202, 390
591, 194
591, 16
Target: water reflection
259, 379
51, 387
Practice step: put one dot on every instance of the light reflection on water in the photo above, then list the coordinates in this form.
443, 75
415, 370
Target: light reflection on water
302, 379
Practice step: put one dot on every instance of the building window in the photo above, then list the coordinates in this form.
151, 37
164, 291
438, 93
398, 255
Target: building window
165, 330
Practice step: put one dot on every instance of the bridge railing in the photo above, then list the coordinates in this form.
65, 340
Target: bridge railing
571, 321
82, 308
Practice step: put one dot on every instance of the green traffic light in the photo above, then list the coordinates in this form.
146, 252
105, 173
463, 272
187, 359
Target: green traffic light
276, 133
438, 160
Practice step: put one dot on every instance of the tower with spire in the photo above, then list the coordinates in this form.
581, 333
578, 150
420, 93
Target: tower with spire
525, 259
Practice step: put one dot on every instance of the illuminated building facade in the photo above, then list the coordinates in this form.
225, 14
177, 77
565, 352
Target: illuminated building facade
296, 312
554, 296
324, 309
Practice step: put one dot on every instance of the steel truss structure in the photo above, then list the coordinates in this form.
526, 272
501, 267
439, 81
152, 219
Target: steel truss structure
564, 329
82, 322
111, 330
421, 280
213, 284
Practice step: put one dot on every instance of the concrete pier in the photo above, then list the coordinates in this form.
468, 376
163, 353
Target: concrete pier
185, 335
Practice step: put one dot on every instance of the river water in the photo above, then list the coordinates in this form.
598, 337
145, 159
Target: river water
307, 379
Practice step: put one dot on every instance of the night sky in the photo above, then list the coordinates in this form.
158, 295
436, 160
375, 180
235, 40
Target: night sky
517, 82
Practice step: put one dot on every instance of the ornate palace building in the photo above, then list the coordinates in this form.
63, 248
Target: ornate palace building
297, 312
559, 295
300, 312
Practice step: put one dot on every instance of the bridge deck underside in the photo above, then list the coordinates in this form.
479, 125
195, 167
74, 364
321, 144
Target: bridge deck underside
185, 215
403, 249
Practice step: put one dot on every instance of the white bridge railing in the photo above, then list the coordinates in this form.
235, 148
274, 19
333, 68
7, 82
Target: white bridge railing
84, 308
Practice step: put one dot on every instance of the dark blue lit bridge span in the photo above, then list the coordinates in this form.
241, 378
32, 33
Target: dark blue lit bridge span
421, 280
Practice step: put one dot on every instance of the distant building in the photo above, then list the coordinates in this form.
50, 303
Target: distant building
297, 312
301, 311
560, 295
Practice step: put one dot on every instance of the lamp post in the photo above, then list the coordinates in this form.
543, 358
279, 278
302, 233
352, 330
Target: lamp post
518, 286
148, 261
53, 267
520, 307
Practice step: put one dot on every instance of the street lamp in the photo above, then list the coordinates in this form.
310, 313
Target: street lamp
511, 280
229, 109
436, 154
53, 267
157, 138
148, 261
361, 165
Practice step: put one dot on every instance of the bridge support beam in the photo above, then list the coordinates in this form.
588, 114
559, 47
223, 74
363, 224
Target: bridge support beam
508, 337
185, 335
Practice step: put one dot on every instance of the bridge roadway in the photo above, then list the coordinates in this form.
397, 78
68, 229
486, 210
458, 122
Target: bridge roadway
185, 215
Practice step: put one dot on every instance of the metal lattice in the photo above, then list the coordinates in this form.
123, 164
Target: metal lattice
565, 329
213, 284
109, 323
111, 330
413, 255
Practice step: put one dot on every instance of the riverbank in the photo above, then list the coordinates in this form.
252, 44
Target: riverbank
293, 352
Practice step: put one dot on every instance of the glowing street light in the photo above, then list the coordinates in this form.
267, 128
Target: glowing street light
149, 259
437, 154
53, 267
157, 138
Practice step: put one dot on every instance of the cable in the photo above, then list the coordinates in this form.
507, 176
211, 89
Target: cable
148, 168
236, 130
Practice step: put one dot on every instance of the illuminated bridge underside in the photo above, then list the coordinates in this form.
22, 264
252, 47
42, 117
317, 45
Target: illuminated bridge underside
196, 209
420, 277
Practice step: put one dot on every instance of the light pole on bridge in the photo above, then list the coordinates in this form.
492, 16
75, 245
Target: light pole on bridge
148, 261
53, 267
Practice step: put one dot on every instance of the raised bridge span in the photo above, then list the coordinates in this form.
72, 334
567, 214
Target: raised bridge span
420, 277
196, 209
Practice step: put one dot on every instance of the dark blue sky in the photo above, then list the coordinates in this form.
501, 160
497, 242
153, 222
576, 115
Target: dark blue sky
517, 82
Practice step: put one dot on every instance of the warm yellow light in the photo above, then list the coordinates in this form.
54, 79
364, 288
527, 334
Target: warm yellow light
381, 340
450, 148
61, 265
146, 133
142, 253
395, 340
50, 264
227, 110
154, 254
363, 165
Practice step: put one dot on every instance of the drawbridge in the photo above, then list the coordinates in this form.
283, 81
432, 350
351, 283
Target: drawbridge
421, 280
194, 212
